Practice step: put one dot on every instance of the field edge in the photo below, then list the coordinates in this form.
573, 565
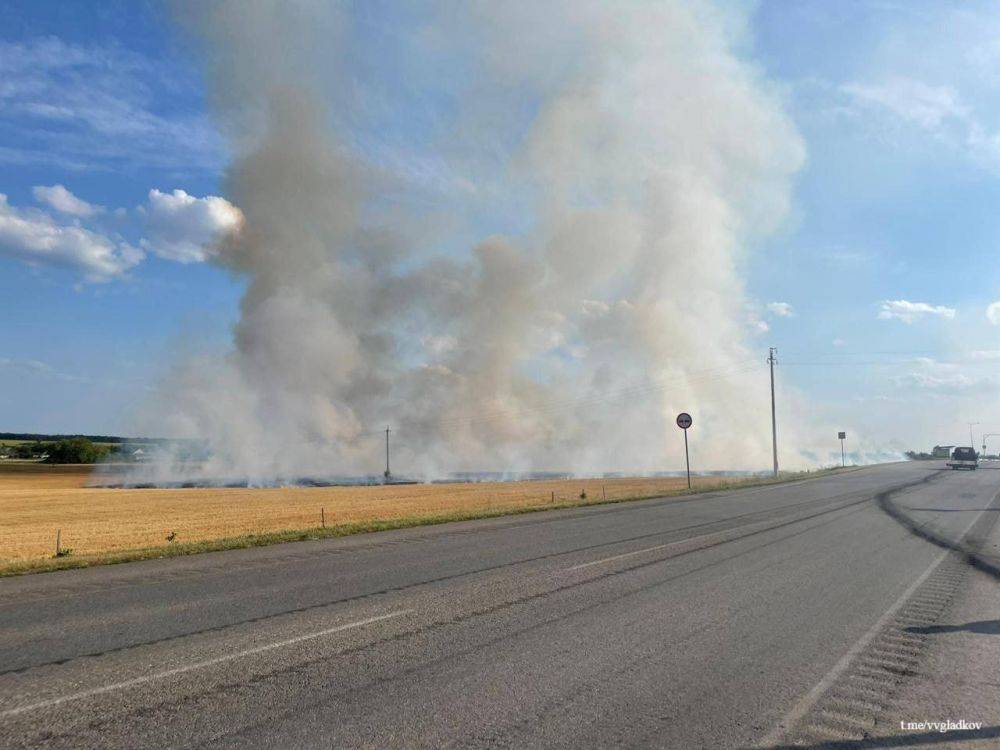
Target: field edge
316, 533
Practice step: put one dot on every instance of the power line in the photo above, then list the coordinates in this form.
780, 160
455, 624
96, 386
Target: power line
840, 364
861, 352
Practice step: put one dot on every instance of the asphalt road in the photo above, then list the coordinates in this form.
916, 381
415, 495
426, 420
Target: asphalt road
700, 622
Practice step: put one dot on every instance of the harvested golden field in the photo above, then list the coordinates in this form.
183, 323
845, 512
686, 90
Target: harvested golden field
38, 500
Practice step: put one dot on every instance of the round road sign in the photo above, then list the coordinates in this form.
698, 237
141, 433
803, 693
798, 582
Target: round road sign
683, 420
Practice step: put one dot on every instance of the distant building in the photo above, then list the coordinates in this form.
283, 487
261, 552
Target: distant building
942, 451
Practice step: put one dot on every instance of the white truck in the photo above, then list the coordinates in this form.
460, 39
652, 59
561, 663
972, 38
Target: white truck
964, 458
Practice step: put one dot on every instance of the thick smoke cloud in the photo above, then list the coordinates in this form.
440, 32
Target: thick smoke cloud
633, 159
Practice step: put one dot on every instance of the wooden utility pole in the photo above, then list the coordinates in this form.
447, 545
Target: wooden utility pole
387, 474
774, 422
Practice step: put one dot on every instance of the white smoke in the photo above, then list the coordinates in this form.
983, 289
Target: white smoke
643, 158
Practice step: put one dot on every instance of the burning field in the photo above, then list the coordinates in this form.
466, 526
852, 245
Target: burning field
36, 501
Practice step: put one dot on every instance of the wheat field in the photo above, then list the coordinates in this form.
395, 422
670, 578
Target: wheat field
37, 500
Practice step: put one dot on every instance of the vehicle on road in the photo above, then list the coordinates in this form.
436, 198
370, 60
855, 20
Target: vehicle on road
964, 458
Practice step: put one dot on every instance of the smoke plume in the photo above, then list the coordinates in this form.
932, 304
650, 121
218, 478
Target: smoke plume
513, 232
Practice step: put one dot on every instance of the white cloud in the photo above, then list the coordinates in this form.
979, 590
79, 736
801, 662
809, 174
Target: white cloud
911, 100
61, 199
37, 368
935, 110
987, 355
910, 312
181, 227
950, 379
36, 237
993, 313
955, 384
92, 107
780, 309
176, 226
32, 365
839, 342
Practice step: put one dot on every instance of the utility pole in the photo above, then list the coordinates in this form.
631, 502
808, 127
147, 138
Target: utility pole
988, 435
387, 474
972, 442
774, 422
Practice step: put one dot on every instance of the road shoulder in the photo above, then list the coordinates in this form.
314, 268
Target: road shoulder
960, 678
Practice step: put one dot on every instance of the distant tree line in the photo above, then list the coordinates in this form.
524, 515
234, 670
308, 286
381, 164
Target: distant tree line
77, 450
84, 449
45, 438
918, 456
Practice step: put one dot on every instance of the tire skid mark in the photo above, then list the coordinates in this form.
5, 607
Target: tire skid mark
850, 710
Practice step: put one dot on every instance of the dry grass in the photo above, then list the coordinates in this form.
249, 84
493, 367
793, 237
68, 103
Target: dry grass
36, 500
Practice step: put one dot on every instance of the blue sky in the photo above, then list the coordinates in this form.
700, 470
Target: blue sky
886, 263
897, 103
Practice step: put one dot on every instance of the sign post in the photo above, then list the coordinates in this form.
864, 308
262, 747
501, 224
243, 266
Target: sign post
684, 421
843, 457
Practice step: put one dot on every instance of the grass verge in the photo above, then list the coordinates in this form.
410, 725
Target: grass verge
365, 527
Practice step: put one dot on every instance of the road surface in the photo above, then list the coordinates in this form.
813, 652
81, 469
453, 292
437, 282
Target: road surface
723, 620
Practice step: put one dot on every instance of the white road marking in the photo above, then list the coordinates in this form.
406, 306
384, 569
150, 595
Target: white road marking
641, 551
197, 665
800, 709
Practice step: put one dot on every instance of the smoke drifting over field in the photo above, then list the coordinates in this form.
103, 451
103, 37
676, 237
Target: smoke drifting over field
540, 279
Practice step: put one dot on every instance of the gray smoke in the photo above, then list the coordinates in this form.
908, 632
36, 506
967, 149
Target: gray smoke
633, 159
